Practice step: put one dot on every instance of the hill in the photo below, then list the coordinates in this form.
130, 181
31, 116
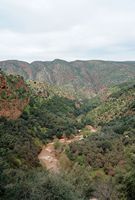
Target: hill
85, 78
119, 103
14, 95
22, 137
109, 154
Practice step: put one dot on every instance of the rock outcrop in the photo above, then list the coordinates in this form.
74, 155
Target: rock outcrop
14, 96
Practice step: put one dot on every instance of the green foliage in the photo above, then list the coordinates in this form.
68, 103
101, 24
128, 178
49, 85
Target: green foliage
57, 114
100, 165
129, 185
21, 141
118, 105
17, 144
88, 105
13, 87
112, 147
37, 184
80, 178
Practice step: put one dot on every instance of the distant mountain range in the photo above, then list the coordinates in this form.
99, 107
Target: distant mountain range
84, 77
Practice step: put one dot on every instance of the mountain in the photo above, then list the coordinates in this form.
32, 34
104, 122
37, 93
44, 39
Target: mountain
82, 77
17, 68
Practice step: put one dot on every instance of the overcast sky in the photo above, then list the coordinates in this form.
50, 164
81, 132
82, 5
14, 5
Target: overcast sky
67, 29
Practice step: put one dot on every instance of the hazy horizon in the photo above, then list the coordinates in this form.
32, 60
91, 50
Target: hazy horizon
83, 60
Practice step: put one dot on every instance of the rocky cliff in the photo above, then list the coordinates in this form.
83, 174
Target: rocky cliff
14, 96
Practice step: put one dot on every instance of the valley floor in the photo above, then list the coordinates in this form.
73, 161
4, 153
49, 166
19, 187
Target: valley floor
49, 157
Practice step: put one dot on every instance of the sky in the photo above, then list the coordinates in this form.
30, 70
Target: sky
67, 29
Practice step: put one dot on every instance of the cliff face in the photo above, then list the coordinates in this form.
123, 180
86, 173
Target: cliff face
14, 96
17, 68
85, 77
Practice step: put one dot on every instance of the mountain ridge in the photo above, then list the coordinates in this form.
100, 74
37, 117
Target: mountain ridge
85, 77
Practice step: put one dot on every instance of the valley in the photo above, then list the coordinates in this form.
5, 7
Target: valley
57, 146
49, 156
67, 100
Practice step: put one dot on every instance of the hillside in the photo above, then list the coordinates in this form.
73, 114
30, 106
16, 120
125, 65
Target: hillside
85, 78
14, 96
92, 140
119, 103
22, 138
109, 154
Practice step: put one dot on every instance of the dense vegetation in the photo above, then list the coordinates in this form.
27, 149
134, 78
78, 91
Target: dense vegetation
101, 165
119, 104
21, 141
111, 151
12, 87
52, 117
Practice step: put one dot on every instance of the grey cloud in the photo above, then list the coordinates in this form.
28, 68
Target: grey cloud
67, 29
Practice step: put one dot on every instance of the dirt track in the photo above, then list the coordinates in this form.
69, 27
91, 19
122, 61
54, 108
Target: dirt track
48, 157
